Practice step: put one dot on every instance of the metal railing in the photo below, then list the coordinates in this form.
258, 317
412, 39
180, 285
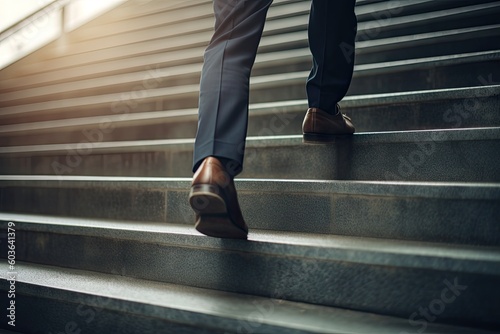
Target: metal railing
46, 25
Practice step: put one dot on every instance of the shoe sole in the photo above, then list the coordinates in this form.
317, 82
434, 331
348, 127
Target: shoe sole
213, 218
219, 226
315, 138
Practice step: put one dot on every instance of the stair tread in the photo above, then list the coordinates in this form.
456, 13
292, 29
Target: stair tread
129, 295
372, 251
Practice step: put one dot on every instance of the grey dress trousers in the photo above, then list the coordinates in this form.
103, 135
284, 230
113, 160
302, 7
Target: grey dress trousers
228, 61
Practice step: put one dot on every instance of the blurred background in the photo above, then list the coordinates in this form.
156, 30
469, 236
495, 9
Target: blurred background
47, 20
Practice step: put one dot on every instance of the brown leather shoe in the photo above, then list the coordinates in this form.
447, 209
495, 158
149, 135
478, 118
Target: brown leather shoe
213, 197
319, 125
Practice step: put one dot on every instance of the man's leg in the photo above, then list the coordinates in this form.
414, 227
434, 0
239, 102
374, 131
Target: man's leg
332, 30
224, 86
223, 116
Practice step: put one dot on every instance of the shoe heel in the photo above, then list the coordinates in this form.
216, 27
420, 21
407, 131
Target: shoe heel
205, 199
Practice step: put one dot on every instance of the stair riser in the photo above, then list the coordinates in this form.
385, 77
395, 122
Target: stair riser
156, 129
441, 46
406, 159
139, 100
410, 161
367, 13
377, 29
461, 112
386, 215
126, 12
333, 283
150, 80
476, 73
464, 112
166, 17
121, 104
385, 114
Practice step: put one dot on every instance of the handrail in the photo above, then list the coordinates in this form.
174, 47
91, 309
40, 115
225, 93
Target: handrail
24, 22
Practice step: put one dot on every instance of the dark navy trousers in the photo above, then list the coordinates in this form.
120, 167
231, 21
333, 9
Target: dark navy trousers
228, 61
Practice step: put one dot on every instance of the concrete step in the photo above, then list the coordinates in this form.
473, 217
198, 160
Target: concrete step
329, 271
417, 74
426, 155
447, 42
455, 108
475, 106
385, 24
131, 19
294, 16
114, 304
141, 52
171, 14
169, 18
400, 224
135, 9
381, 10
153, 97
160, 39
381, 13
460, 213
452, 71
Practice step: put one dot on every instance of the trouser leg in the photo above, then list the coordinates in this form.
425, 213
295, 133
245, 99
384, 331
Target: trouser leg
224, 85
332, 30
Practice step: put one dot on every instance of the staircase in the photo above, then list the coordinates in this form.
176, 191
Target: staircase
395, 230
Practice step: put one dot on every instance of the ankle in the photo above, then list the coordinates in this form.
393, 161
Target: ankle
231, 166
